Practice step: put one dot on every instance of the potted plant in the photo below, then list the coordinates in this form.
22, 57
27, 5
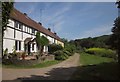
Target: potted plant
5, 54
23, 55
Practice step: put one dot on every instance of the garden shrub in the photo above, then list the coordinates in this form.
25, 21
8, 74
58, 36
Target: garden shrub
54, 47
60, 55
101, 52
60, 52
70, 48
67, 52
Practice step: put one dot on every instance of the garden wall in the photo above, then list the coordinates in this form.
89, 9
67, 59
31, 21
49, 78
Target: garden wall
28, 62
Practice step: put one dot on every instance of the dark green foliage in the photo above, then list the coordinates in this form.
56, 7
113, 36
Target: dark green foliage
6, 9
6, 51
63, 53
54, 47
60, 55
67, 52
70, 48
44, 41
41, 42
115, 37
101, 42
38, 38
64, 40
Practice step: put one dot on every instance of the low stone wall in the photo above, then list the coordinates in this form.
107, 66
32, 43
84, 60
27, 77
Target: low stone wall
28, 62
50, 57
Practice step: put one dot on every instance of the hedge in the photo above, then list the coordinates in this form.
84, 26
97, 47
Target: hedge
101, 52
60, 55
54, 47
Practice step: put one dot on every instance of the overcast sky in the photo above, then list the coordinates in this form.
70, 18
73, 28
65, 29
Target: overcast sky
72, 20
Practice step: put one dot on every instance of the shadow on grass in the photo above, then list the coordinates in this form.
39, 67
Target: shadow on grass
103, 71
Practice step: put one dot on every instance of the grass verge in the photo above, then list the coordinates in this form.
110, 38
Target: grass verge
96, 68
88, 59
41, 65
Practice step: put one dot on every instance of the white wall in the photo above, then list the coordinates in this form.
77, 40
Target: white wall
25, 35
7, 43
9, 33
11, 23
18, 35
50, 39
41, 34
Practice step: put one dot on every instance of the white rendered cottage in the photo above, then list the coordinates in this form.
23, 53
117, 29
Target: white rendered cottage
20, 32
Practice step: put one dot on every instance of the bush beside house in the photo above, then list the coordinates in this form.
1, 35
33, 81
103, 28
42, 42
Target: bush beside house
54, 47
60, 52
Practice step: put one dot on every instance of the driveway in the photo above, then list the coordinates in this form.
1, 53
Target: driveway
61, 71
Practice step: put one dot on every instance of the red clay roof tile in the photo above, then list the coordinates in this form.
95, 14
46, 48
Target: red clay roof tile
17, 15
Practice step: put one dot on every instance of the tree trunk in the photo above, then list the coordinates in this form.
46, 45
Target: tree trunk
119, 63
119, 57
42, 47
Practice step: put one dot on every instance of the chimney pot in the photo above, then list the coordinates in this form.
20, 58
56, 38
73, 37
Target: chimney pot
40, 23
49, 29
55, 33
25, 14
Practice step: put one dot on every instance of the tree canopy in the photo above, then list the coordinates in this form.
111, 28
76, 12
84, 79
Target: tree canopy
89, 42
6, 9
41, 42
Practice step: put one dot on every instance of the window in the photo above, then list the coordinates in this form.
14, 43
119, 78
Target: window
18, 45
24, 28
32, 46
33, 31
20, 26
14, 33
16, 24
28, 29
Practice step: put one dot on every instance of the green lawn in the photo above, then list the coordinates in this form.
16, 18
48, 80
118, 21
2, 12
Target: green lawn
41, 65
96, 68
87, 59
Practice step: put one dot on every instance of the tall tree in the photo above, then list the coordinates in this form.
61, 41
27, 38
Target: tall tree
41, 42
115, 37
6, 9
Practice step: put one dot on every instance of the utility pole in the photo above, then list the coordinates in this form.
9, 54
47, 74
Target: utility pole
52, 26
41, 11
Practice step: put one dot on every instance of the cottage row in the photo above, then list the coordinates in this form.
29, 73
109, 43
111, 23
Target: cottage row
21, 30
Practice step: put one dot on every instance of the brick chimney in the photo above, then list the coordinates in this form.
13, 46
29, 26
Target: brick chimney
25, 14
40, 23
55, 33
49, 29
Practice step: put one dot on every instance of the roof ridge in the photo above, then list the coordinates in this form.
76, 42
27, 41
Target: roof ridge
33, 24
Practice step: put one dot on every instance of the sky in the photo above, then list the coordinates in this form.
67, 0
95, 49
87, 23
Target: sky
72, 20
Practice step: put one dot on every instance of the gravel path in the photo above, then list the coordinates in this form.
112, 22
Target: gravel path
61, 71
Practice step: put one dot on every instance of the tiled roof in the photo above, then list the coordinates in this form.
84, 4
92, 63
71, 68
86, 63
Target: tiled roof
17, 15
